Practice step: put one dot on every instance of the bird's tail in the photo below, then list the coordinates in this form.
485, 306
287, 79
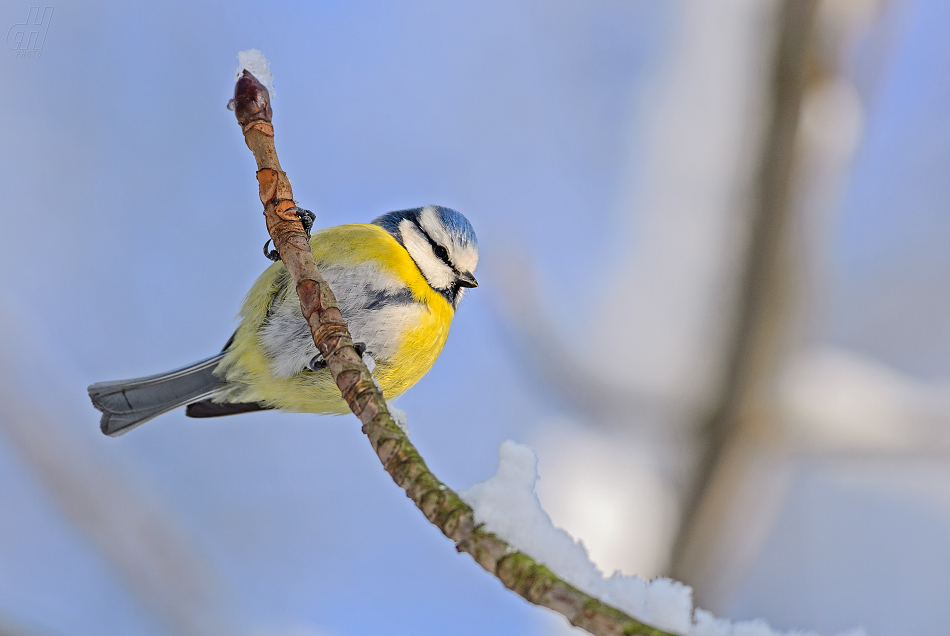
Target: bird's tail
126, 404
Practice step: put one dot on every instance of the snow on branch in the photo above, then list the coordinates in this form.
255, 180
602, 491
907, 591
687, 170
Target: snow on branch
254, 62
508, 506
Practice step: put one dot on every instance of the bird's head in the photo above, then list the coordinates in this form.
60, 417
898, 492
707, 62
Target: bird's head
442, 243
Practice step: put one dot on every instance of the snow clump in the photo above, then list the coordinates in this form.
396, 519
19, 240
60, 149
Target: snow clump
255, 62
509, 507
399, 416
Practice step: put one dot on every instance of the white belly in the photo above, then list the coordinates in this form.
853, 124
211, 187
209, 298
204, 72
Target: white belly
377, 307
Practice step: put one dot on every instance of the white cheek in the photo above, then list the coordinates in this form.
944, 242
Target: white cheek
439, 275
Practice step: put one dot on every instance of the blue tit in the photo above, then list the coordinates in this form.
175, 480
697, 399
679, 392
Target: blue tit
398, 282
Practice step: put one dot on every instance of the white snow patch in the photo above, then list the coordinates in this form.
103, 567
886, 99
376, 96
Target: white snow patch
509, 507
255, 62
400, 416
370, 363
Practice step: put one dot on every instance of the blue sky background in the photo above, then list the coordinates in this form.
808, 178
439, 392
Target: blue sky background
890, 264
132, 229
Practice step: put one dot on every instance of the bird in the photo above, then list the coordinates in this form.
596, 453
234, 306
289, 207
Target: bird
398, 281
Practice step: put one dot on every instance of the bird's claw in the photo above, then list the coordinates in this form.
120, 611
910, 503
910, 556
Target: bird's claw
272, 255
317, 362
306, 220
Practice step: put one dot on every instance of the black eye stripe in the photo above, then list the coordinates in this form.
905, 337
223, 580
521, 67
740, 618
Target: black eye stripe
437, 249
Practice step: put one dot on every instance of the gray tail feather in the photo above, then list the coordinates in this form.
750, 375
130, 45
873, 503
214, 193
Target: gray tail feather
126, 404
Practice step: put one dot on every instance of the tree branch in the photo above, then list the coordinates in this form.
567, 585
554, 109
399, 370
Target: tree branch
441, 506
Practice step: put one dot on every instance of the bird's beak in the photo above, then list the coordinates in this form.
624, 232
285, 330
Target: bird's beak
467, 280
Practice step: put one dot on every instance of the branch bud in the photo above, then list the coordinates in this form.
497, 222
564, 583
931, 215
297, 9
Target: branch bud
251, 101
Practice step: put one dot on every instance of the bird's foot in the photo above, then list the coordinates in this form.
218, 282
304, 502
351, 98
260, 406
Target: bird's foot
272, 255
306, 220
317, 362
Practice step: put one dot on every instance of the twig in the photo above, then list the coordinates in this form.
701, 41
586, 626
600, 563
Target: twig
440, 505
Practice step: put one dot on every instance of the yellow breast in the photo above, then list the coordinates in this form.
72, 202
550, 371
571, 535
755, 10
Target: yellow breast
247, 368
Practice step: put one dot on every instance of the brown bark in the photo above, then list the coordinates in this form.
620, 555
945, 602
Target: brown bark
440, 505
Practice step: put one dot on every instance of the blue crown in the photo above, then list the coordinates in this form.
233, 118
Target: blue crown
455, 222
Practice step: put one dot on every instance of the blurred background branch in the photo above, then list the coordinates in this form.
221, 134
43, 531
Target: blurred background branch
753, 349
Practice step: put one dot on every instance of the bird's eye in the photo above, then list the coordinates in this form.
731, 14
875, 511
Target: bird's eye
442, 253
